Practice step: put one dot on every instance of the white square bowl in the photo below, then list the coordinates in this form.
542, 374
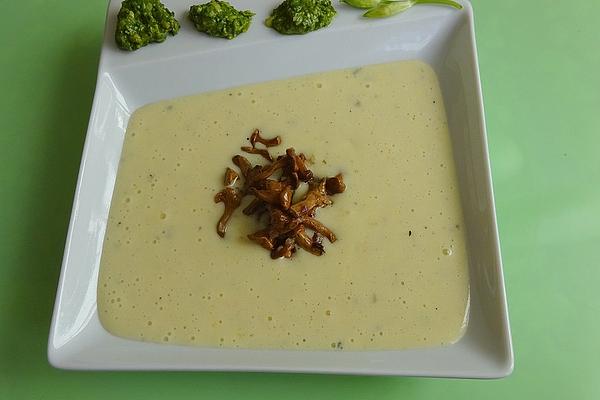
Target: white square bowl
191, 63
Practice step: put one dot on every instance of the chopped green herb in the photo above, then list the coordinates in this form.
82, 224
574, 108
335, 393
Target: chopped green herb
388, 8
140, 22
220, 19
297, 17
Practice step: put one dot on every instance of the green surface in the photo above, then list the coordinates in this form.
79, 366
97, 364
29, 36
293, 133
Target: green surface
540, 67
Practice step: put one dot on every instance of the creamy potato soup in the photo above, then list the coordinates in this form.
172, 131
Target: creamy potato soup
397, 277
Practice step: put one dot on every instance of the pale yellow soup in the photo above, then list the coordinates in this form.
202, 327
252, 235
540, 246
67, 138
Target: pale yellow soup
397, 277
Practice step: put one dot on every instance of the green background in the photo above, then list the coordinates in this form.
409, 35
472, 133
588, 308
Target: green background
540, 69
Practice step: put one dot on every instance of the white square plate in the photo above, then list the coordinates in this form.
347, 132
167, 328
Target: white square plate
191, 63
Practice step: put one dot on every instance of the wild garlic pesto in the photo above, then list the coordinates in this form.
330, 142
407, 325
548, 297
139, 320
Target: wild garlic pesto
220, 19
140, 22
395, 278
297, 17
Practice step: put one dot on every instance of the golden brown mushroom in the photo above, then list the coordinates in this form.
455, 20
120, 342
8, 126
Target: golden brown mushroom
273, 186
232, 199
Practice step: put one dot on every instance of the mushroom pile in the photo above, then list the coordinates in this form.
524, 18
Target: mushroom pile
273, 185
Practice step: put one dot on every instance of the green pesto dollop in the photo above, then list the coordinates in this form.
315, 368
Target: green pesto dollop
297, 17
220, 19
140, 22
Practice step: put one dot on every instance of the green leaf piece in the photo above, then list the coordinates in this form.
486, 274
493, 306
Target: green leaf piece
388, 8
364, 4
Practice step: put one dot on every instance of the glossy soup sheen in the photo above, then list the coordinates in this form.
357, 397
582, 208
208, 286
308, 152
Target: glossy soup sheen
396, 278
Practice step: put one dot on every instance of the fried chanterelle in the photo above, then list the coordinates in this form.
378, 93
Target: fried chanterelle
291, 224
